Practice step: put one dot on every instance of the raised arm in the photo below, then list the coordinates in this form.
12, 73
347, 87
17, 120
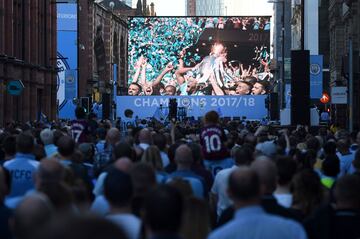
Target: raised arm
138, 69
167, 69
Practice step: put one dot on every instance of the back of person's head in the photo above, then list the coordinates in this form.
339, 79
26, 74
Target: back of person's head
88, 152
32, 213
118, 188
163, 210
183, 155
123, 164
24, 143
242, 156
123, 149
9, 145
286, 168
329, 147
80, 113
160, 141
145, 136
307, 190
211, 117
313, 143
347, 192
50, 171
182, 185
143, 178
172, 150
81, 227
113, 136
244, 185
267, 173
66, 146
47, 136
343, 145
101, 133
57, 134
152, 157
331, 166
196, 152
196, 219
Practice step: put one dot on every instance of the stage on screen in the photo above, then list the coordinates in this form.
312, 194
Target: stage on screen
199, 56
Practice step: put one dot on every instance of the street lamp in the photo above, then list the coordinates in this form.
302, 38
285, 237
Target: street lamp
282, 72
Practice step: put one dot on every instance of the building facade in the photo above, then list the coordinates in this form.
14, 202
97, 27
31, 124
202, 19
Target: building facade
103, 52
344, 31
190, 7
28, 53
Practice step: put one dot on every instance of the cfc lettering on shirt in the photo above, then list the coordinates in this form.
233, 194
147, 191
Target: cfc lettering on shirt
19, 174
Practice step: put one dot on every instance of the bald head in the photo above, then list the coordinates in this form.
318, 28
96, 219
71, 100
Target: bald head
183, 156
267, 173
49, 171
113, 136
31, 215
145, 136
244, 186
123, 164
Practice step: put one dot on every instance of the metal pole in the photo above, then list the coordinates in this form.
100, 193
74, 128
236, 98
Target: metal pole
351, 87
303, 24
283, 56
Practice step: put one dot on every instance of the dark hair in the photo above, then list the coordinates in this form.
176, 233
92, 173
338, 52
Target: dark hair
286, 168
164, 209
243, 156
138, 85
331, 166
81, 227
329, 147
244, 185
66, 146
347, 189
9, 145
160, 141
80, 113
24, 143
123, 149
313, 143
307, 191
118, 188
211, 117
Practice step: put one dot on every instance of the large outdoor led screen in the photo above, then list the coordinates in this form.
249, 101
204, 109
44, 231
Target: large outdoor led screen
199, 56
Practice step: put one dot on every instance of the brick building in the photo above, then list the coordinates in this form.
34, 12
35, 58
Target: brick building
28, 53
344, 27
103, 45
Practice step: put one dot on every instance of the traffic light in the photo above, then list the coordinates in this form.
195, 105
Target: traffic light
85, 103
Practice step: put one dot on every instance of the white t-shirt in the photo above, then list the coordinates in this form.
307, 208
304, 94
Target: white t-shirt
284, 200
219, 188
128, 222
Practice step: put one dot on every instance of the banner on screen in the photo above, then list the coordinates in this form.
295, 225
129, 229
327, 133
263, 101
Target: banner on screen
316, 76
253, 107
66, 57
199, 56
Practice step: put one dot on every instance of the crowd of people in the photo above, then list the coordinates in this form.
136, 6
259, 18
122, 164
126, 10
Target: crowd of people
216, 178
162, 60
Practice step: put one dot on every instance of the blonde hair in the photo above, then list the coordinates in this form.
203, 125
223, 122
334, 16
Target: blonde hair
152, 157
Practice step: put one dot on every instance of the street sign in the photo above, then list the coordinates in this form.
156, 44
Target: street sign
15, 87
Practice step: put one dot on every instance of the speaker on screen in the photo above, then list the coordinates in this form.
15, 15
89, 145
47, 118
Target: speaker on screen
300, 87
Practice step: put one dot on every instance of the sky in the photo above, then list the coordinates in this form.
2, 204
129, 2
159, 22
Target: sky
167, 7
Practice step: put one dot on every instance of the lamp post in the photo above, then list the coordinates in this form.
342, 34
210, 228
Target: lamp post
282, 71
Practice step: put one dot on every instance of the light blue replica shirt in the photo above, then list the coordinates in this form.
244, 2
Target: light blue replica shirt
253, 222
21, 169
